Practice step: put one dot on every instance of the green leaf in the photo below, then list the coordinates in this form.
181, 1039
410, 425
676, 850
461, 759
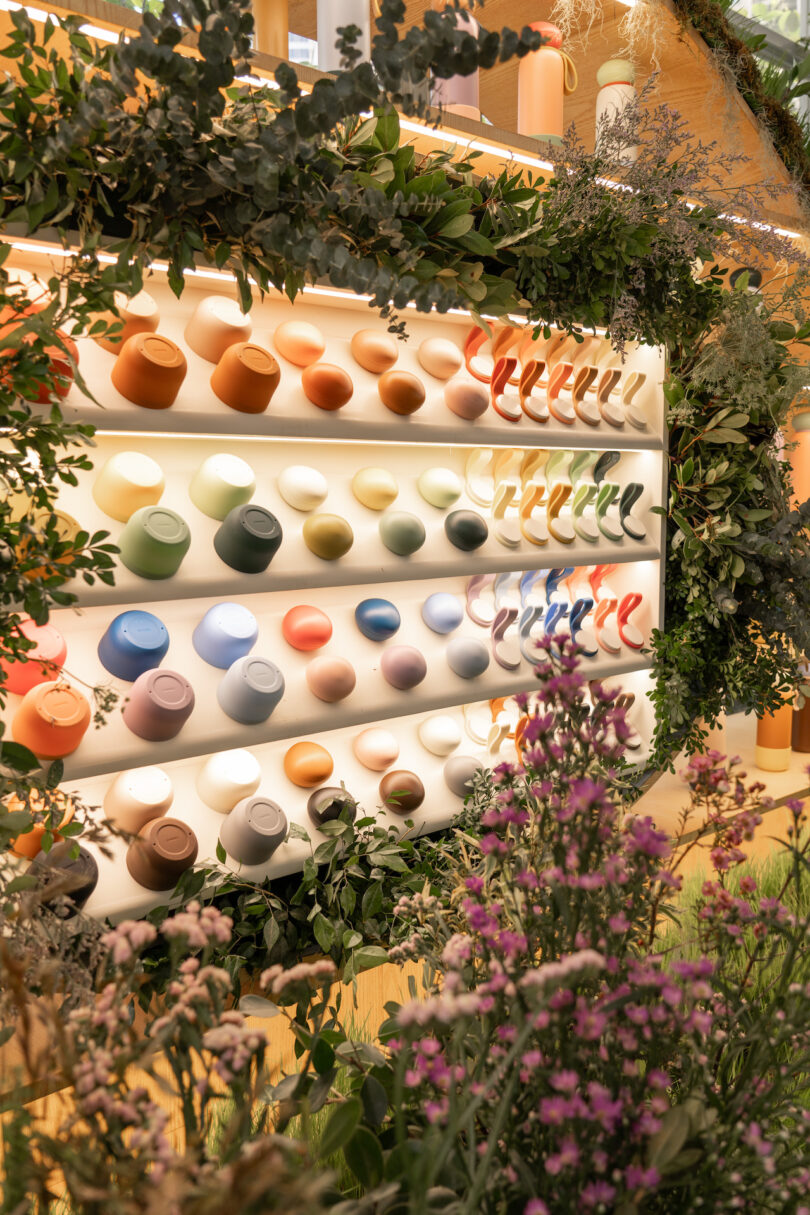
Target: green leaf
375, 1101
369, 956
257, 1006
324, 932
271, 932
323, 1057
342, 1124
14, 755
364, 1156
25, 881
456, 227
364, 133
667, 1142
721, 434
221, 854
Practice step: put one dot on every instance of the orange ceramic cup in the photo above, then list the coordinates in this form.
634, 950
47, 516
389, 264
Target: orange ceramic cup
246, 377
66, 529
39, 665
51, 720
30, 844
149, 370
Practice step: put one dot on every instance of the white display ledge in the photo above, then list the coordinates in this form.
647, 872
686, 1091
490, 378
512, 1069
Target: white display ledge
368, 561
339, 315
300, 712
118, 895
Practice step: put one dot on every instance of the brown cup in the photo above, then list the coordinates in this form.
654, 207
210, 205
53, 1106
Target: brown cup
137, 314
246, 377
163, 849
149, 370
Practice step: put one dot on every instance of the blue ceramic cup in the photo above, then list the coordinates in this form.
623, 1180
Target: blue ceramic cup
134, 642
226, 632
250, 689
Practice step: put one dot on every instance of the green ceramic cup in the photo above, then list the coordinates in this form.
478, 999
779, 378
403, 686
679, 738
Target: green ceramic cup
154, 542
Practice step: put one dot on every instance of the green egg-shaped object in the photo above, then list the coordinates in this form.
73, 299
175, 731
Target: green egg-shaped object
441, 487
328, 536
402, 532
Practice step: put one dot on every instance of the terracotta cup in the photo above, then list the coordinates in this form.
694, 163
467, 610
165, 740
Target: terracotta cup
162, 851
246, 377
30, 844
149, 371
51, 720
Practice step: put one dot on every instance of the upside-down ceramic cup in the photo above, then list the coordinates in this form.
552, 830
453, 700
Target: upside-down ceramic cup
441, 487
467, 399
39, 665
154, 542
221, 484
227, 778
62, 808
253, 830
307, 764
215, 324
132, 643
248, 538
162, 850
226, 632
246, 377
326, 805
401, 791
250, 689
160, 703
440, 734
51, 720
442, 612
128, 481
56, 524
136, 314
136, 797
149, 371
63, 875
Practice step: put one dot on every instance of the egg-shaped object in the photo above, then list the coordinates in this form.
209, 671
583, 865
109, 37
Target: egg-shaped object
465, 529
441, 487
376, 748
442, 612
216, 323
328, 536
327, 386
331, 679
403, 666
401, 791
459, 772
376, 352
302, 487
377, 619
136, 314
306, 628
308, 764
466, 399
440, 734
327, 805
299, 342
468, 657
401, 532
440, 357
375, 488
401, 392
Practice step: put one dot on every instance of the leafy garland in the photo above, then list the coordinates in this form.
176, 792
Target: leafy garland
166, 156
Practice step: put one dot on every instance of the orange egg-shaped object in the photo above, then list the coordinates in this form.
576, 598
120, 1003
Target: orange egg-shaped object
376, 352
401, 392
327, 385
440, 357
306, 628
331, 679
299, 342
308, 764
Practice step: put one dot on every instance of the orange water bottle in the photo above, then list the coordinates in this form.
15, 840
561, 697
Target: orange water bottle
545, 77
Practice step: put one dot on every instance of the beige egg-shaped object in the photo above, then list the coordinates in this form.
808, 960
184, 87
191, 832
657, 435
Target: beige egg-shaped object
331, 679
216, 323
375, 488
376, 748
376, 352
137, 313
441, 487
467, 399
302, 487
299, 342
440, 357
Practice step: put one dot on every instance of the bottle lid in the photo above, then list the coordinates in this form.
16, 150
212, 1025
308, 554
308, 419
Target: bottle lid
616, 71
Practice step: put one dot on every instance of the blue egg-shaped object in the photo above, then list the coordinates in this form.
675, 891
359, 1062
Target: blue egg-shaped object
442, 612
134, 642
226, 632
377, 619
467, 656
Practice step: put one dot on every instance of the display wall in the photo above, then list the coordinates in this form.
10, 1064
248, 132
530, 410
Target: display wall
468, 533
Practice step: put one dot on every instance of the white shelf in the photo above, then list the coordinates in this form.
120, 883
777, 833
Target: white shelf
364, 418
368, 561
300, 712
118, 895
